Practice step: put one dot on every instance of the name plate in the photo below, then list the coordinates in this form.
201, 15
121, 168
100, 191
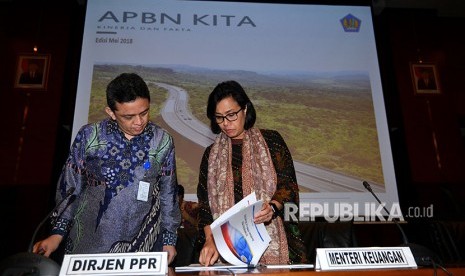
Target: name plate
139, 263
364, 258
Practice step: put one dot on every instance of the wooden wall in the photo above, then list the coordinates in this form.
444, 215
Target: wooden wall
428, 173
33, 147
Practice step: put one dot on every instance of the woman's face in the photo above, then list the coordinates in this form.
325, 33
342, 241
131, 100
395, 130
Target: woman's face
231, 125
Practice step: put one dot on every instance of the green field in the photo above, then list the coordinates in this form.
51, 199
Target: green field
326, 121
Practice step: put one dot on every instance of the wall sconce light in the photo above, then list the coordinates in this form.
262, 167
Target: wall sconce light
35, 49
419, 56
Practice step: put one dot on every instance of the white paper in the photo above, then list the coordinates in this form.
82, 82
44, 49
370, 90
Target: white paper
238, 239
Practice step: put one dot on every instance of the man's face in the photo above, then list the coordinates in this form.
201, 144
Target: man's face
132, 117
33, 67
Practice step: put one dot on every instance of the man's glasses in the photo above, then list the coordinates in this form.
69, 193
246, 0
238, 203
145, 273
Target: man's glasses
230, 117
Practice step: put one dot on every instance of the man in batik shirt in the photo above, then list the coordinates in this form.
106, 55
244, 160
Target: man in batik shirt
123, 171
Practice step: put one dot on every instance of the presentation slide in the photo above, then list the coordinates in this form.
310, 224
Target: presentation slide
311, 71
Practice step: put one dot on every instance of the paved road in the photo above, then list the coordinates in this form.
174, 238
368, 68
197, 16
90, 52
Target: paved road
177, 115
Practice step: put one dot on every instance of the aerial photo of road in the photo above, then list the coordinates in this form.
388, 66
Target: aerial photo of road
177, 116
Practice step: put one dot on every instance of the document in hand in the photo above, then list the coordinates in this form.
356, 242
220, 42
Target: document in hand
238, 239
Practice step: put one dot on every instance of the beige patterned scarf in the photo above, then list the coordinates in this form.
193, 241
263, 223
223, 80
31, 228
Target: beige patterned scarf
258, 174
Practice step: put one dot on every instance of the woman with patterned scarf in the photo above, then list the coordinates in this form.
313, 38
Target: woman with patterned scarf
242, 160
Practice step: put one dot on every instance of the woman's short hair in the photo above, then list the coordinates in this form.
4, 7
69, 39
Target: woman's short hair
234, 90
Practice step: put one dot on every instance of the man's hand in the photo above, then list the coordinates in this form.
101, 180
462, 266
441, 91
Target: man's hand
171, 252
47, 246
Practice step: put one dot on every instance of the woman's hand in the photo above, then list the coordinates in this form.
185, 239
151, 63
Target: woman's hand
209, 254
265, 215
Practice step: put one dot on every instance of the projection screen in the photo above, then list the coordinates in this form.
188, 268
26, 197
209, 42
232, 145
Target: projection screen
311, 71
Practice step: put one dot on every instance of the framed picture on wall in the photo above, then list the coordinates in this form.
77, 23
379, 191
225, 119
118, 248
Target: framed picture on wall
425, 79
32, 71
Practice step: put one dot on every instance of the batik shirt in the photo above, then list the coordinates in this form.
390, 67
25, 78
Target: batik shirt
106, 170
